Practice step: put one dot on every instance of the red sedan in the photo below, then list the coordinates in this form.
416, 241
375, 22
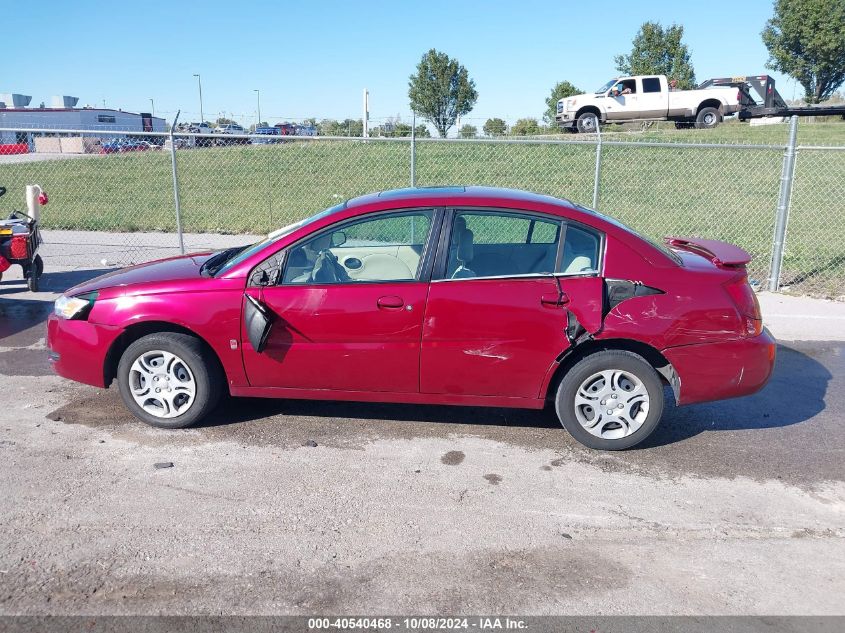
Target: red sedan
463, 296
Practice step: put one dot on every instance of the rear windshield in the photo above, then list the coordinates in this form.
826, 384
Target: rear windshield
659, 246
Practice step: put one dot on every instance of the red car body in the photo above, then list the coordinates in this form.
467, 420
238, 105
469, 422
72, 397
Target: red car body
498, 340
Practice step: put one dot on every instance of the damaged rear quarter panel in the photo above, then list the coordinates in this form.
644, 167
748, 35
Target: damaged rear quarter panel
693, 309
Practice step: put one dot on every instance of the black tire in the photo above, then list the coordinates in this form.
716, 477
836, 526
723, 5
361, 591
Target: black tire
33, 281
582, 371
708, 118
201, 362
587, 123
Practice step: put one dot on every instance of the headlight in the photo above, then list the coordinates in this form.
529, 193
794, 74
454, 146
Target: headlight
74, 307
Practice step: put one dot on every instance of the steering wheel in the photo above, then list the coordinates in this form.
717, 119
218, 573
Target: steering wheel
330, 270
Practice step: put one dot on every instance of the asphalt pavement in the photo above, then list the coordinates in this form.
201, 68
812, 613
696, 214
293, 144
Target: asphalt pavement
289, 507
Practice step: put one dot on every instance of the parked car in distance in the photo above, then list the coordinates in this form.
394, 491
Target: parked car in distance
112, 146
229, 128
453, 295
266, 136
649, 98
200, 128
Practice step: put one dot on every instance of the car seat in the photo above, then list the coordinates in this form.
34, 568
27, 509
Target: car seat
464, 255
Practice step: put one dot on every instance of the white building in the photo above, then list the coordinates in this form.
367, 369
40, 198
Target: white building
102, 122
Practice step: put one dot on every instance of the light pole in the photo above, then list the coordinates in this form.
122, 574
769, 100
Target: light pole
152, 106
199, 83
258, 97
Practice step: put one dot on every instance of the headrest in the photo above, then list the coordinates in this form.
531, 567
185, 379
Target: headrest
458, 228
465, 254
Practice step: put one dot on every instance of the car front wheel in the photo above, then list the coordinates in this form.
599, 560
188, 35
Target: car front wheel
610, 400
168, 379
587, 123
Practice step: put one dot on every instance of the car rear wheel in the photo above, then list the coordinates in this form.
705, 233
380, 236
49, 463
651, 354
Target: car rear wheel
610, 400
168, 379
708, 118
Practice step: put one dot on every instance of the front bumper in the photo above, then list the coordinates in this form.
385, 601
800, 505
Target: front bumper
77, 349
717, 371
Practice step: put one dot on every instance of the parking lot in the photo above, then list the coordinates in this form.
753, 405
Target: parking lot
320, 507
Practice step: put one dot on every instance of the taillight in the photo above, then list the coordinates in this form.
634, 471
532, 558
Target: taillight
18, 247
746, 303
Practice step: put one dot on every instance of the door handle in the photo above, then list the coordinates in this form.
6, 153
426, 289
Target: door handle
390, 302
554, 299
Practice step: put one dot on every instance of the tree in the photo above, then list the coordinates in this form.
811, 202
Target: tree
659, 51
495, 127
525, 127
441, 90
561, 90
468, 131
806, 39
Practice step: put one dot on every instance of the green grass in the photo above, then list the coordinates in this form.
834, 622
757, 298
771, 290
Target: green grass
725, 193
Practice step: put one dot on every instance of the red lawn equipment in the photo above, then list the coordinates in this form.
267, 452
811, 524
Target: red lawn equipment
20, 238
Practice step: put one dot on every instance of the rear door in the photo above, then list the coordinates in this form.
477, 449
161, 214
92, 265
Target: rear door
347, 312
653, 100
497, 314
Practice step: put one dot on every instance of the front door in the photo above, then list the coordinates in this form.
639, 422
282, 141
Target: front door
497, 316
622, 100
347, 312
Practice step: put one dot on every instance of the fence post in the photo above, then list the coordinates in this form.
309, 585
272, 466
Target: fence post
786, 177
414, 150
597, 176
176, 187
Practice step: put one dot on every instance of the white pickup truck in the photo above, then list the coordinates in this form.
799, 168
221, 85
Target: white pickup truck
646, 98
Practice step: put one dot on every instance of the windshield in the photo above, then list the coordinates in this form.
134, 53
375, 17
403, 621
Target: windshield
241, 255
606, 87
661, 247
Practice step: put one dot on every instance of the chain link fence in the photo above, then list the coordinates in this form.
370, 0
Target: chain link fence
113, 199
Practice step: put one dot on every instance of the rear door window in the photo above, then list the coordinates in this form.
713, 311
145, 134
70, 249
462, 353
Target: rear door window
581, 249
501, 244
651, 84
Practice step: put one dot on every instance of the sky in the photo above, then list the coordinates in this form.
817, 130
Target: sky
315, 59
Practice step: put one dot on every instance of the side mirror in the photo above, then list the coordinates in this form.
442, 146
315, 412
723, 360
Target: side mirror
338, 239
257, 321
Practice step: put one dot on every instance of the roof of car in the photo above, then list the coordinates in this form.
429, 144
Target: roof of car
452, 192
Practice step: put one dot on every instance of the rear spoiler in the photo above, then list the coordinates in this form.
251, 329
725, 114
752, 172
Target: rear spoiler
720, 253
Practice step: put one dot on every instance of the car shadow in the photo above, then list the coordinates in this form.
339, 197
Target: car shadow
18, 315
240, 410
795, 393
774, 406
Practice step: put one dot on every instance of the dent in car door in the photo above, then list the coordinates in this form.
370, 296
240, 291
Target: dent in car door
498, 337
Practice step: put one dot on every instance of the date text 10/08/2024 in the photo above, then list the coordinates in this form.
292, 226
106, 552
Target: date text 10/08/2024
417, 624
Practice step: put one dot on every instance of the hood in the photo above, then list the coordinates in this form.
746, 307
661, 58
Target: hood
576, 101
172, 269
